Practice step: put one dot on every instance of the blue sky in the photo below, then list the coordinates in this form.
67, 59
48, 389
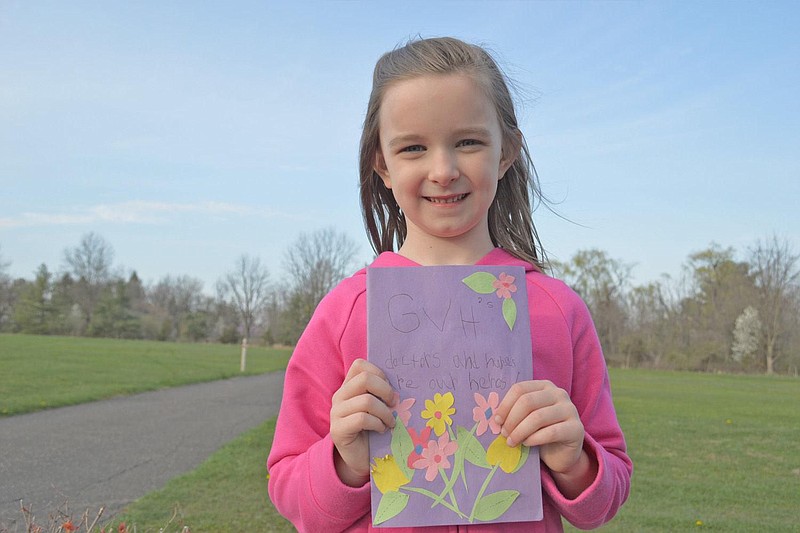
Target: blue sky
188, 133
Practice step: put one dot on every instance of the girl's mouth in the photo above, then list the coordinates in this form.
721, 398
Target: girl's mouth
451, 199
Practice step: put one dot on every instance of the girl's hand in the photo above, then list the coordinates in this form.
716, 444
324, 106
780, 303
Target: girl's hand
363, 403
537, 413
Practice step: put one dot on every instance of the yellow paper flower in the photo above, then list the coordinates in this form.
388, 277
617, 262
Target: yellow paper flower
438, 412
387, 475
500, 453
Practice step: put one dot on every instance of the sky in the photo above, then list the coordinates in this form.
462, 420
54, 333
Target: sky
189, 133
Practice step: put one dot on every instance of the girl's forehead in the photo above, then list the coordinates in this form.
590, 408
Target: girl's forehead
436, 98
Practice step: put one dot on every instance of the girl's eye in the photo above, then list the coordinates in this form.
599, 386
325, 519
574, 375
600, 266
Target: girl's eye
414, 148
469, 142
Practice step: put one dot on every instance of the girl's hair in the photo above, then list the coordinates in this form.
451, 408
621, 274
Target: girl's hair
510, 215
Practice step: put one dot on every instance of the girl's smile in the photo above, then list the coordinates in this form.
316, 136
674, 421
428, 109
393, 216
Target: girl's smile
446, 200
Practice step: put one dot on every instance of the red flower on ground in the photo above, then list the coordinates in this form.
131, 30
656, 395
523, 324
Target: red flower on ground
504, 285
69, 526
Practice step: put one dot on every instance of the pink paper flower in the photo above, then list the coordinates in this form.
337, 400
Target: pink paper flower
403, 410
504, 285
420, 441
483, 413
435, 455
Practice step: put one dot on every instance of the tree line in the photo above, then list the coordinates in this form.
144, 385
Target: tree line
89, 296
724, 312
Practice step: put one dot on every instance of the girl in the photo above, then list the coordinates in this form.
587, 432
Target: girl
447, 177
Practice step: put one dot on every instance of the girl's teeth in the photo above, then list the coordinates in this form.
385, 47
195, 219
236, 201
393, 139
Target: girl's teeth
451, 200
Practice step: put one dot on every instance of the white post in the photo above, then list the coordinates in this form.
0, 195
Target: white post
244, 355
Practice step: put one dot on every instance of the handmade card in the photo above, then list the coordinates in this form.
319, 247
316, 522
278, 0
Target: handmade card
452, 340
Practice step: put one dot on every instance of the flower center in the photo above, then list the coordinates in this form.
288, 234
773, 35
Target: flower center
438, 415
488, 413
418, 449
437, 458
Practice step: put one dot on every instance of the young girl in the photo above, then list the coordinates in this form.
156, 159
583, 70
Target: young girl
447, 177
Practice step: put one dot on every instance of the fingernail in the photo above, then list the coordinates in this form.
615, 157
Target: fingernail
498, 419
510, 442
395, 399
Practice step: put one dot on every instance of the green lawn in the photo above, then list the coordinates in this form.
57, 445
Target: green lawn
719, 449
38, 372
711, 452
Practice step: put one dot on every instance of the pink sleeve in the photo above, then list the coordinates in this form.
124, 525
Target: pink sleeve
591, 394
303, 483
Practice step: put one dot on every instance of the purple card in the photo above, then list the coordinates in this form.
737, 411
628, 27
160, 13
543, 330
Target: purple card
452, 340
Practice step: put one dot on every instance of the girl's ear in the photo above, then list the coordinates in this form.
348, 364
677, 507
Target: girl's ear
511, 148
382, 171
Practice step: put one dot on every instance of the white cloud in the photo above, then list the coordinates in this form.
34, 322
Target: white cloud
136, 212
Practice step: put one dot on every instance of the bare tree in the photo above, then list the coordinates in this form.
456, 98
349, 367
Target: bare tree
774, 265
315, 264
247, 288
90, 265
174, 299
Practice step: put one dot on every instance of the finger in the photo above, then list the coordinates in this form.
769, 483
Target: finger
366, 383
542, 426
521, 399
362, 365
514, 393
366, 404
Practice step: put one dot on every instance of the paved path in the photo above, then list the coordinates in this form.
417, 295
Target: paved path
114, 451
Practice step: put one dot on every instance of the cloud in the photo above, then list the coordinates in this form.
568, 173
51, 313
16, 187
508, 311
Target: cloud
135, 212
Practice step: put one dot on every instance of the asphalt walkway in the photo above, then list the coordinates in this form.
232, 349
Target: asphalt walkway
111, 452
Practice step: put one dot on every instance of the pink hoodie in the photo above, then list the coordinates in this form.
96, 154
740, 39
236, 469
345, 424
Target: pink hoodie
303, 482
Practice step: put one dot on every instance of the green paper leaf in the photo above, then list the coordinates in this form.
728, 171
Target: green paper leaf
526, 450
510, 312
474, 451
480, 282
391, 505
402, 446
492, 506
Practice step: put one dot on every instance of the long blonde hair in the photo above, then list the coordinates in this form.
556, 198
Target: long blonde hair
510, 215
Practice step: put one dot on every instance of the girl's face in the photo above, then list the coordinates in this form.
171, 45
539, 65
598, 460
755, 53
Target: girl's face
441, 155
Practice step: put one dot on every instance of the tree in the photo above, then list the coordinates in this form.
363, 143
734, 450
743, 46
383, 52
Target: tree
33, 312
90, 264
746, 335
315, 263
247, 288
172, 301
775, 272
721, 287
602, 282
6, 300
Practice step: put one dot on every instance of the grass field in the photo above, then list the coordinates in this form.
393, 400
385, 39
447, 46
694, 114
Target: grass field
711, 452
38, 372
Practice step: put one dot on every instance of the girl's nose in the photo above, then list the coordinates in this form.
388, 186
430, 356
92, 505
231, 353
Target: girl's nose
444, 169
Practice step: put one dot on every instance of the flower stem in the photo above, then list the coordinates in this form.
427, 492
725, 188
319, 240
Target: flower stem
433, 496
480, 492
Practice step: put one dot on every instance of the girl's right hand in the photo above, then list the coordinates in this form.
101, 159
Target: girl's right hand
363, 403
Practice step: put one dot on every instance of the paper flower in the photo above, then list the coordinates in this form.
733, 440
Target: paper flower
435, 455
403, 410
483, 413
500, 453
504, 285
420, 441
438, 412
387, 476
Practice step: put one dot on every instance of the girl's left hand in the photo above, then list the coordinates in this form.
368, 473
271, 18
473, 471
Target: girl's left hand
537, 413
